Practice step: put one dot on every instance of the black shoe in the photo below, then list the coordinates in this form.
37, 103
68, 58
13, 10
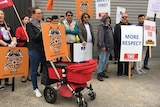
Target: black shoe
38, 74
8, 84
99, 77
145, 67
103, 74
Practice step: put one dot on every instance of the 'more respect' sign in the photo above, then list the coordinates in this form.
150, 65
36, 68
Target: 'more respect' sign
131, 43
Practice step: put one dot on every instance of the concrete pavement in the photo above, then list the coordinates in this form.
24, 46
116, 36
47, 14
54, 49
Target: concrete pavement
140, 91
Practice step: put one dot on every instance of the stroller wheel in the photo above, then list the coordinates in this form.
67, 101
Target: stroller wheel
83, 104
50, 94
92, 95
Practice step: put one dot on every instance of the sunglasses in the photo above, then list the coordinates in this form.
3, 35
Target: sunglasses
70, 15
124, 16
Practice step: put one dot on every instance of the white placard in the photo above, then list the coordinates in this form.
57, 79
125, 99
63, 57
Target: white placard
149, 33
120, 11
102, 8
82, 53
152, 10
131, 43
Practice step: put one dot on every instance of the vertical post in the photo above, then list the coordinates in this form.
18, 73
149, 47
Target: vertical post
13, 81
129, 70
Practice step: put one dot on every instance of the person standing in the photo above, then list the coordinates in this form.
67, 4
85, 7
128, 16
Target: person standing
85, 30
5, 40
138, 65
71, 27
22, 38
35, 46
117, 37
105, 43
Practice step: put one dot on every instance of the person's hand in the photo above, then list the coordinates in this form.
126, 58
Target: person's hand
103, 49
84, 43
12, 45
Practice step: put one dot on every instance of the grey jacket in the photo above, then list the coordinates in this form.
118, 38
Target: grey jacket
83, 33
105, 36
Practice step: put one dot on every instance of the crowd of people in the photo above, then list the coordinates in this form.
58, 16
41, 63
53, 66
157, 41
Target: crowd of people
30, 35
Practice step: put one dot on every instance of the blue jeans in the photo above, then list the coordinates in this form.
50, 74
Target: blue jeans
146, 57
103, 60
35, 58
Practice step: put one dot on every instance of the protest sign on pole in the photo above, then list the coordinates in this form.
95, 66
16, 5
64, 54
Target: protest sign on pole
84, 6
149, 33
153, 8
102, 8
131, 43
120, 11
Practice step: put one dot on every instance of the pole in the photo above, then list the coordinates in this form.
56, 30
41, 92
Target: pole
20, 22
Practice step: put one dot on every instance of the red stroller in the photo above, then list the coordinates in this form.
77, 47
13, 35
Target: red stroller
71, 78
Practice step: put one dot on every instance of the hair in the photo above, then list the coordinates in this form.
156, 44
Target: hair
54, 17
34, 9
141, 15
84, 15
62, 16
24, 17
49, 18
69, 12
29, 12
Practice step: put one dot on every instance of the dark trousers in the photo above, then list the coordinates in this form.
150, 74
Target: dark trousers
146, 57
122, 67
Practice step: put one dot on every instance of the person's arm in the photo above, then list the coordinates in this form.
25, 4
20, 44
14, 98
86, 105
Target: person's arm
75, 31
100, 37
33, 33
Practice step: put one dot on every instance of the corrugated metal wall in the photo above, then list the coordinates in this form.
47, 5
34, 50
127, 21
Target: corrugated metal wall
133, 8
21, 6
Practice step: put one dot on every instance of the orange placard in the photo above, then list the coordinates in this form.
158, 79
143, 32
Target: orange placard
14, 62
54, 40
84, 6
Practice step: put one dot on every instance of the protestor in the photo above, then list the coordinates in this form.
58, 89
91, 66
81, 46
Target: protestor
71, 27
146, 59
105, 43
117, 37
35, 46
5, 40
138, 65
22, 39
85, 30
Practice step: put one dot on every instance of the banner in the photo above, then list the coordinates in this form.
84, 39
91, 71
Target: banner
5, 3
131, 43
14, 62
153, 7
49, 5
84, 6
82, 53
120, 11
149, 33
54, 40
102, 8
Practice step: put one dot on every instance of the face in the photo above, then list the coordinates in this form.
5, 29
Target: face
69, 17
1, 16
86, 18
55, 21
48, 20
124, 18
37, 15
108, 20
141, 19
25, 20
61, 18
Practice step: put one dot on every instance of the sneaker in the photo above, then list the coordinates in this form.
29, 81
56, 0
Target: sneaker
1, 87
142, 71
138, 71
145, 67
37, 93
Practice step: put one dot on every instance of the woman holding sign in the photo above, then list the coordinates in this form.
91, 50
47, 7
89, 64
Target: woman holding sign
7, 39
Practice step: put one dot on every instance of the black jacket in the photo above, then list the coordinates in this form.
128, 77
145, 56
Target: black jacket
35, 38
